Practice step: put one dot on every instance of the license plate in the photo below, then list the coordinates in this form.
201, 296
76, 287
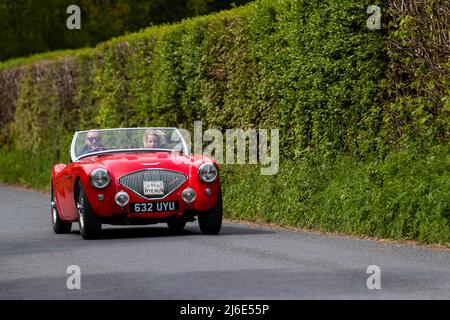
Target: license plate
154, 207
153, 188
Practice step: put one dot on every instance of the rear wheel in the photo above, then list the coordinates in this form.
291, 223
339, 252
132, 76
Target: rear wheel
90, 225
210, 222
59, 227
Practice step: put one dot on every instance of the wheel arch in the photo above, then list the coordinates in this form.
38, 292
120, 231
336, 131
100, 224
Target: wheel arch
76, 189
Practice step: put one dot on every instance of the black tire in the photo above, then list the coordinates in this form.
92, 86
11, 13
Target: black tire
176, 226
89, 223
210, 222
59, 227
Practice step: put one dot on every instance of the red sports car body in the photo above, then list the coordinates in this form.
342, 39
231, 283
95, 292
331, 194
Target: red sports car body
120, 181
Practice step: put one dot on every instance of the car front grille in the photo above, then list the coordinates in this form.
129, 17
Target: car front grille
135, 181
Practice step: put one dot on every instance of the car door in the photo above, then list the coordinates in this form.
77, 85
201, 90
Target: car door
67, 202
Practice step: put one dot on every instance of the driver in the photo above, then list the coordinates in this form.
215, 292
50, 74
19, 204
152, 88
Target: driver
93, 142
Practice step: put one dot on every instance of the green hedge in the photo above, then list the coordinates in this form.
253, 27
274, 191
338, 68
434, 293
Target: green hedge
311, 69
405, 196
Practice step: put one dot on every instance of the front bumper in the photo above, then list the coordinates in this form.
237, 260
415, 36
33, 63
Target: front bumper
104, 205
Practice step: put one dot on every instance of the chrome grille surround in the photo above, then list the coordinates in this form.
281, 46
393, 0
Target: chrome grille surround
134, 181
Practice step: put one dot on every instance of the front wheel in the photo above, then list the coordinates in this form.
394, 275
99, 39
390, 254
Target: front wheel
210, 222
90, 225
59, 227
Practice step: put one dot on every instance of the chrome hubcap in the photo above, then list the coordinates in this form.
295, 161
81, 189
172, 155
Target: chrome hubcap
81, 213
54, 212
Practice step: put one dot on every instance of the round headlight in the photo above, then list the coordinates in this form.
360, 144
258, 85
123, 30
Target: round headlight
99, 178
207, 172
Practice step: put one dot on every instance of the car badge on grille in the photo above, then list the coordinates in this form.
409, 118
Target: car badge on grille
152, 188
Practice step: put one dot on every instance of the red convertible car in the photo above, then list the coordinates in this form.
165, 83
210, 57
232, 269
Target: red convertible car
134, 176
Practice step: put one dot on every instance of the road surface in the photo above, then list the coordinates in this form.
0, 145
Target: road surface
243, 262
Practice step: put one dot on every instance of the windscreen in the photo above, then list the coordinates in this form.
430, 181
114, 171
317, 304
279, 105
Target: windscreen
117, 140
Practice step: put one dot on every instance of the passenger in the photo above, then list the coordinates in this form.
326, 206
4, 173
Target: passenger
152, 139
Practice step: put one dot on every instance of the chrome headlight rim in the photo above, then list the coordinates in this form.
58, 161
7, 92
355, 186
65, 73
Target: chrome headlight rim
211, 166
95, 173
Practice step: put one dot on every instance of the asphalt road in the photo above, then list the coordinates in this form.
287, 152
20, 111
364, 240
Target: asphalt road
243, 262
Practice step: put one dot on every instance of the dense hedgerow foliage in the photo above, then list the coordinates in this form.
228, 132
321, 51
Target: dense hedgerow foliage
354, 156
404, 196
